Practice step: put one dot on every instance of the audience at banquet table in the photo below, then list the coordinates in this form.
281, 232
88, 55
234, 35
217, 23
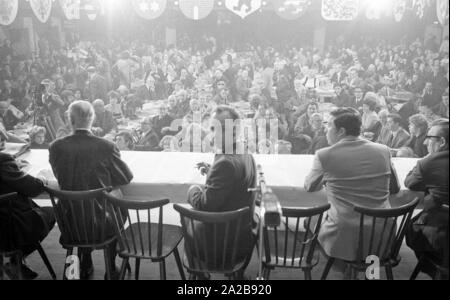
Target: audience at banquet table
82, 162
27, 224
355, 172
280, 77
427, 234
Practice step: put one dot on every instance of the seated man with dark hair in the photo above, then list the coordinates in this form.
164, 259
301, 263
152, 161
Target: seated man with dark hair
427, 235
399, 136
30, 223
356, 172
228, 179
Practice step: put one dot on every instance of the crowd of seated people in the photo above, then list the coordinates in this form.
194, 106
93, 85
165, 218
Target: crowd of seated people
120, 78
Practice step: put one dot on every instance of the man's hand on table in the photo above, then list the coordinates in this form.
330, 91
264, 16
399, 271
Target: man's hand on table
204, 168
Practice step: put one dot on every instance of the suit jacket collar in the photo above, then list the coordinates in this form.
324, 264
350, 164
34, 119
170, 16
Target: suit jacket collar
82, 132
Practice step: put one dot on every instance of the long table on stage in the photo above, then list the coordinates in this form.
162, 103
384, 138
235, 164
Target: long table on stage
169, 175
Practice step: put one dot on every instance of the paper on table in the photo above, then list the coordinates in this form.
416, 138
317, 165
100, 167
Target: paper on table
15, 150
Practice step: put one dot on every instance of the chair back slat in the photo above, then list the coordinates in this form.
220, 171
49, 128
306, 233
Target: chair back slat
383, 231
235, 244
213, 240
286, 239
297, 229
445, 260
134, 226
82, 218
141, 239
160, 231
149, 226
305, 243
378, 239
296, 247
133, 239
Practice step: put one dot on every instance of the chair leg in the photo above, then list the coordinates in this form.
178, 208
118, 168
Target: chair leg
108, 267
19, 266
179, 264
266, 273
327, 268
389, 274
308, 274
137, 268
192, 276
123, 268
162, 270
1, 267
69, 253
416, 271
46, 261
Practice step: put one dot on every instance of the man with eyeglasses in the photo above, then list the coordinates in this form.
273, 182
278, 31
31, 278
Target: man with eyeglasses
427, 235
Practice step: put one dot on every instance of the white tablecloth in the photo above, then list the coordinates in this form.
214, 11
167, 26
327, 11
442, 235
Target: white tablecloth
169, 175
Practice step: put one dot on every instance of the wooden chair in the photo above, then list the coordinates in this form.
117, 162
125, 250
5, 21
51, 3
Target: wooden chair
84, 222
208, 236
144, 239
294, 249
440, 268
385, 243
11, 250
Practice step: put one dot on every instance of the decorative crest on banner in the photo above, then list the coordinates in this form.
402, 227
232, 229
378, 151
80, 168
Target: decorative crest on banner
71, 8
377, 9
442, 7
340, 10
243, 8
149, 9
8, 11
196, 9
92, 9
42, 9
291, 9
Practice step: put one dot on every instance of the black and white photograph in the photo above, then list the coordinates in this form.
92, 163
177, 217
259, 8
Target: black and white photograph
224, 145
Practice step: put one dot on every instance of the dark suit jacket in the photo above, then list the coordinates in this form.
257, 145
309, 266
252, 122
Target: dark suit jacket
28, 227
227, 184
226, 190
428, 232
431, 176
98, 88
105, 122
83, 162
417, 144
149, 142
400, 140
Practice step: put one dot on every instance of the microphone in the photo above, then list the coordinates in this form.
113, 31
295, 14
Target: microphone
271, 210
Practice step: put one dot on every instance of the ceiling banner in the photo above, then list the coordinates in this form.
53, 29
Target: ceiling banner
71, 8
291, 9
196, 9
8, 11
42, 9
443, 11
243, 8
92, 9
399, 9
340, 10
149, 9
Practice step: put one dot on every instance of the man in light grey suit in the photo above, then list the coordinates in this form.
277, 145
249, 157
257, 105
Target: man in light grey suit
355, 172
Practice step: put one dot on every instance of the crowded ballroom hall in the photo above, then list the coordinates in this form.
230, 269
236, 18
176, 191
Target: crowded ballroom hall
222, 140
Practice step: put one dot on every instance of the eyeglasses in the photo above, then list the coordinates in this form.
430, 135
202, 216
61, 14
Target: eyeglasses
432, 136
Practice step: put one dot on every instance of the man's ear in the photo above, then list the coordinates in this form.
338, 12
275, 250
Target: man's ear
342, 132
